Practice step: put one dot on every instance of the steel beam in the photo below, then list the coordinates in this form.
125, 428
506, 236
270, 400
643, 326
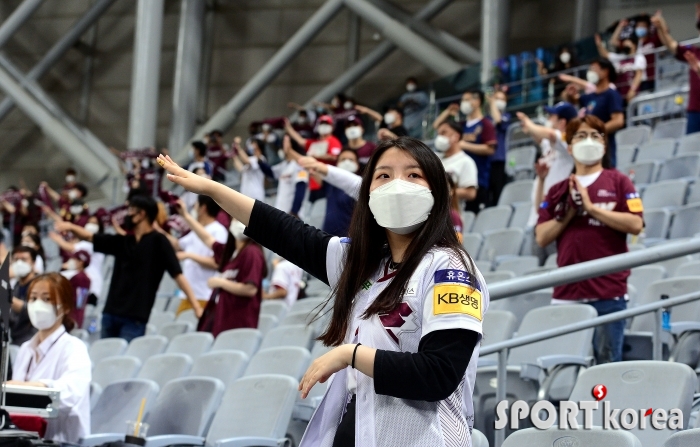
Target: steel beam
373, 58
229, 113
187, 71
145, 74
585, 19
18, 17
410, 42
206, 58
494, 34
60, 48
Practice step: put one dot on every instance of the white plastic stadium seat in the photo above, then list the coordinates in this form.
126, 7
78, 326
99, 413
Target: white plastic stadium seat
163, 368
634, 135
243, 339
674, 128
554, 437
670, 193
226, 366
494, 277
113, 369
175, 328
642, 171
106, 347
686, 222
519, 191
472, 243
502, 242
656, 223
685, 438
493, 218
522, 304
278, 308
682, 166
193, 344
625, 156
521, 214
498, 326
188, 316
659, 149
290, 361
146, 346
266, 323
689, 144
293, 335
518, 265
520, 162
688, 269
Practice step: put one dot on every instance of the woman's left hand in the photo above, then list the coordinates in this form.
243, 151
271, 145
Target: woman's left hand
325, 366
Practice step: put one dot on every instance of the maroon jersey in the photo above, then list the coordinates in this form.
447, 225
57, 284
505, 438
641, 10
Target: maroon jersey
365, 152
586, 238
81, 287
694, 79
217, 155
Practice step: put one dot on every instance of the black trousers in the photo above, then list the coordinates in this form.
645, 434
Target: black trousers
498, 180
476, 205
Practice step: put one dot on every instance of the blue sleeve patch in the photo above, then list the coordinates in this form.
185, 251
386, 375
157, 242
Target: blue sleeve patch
544, 204
345, 240
632, 195
457, 276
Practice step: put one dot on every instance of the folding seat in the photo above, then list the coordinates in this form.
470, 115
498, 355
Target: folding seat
95, 393
189, 317
163, 368
674, 128
685, 438
307, 305
504, 242
114, 369
494, 277
290, 361
520, 305
106, 347
686, 222
175, 328
318, 213
693, 192
243, 339
639, 384
293, 335
634, 135
666, 194
643, 276
472, 243
520, 162
118, 403
518, 265
167, 287
521, 214
656, 225
625, 156
146, 346
278, 308
266, 323
493, 218
688, 269
193, 344
641, 172
484, 266
498, 326
161, 304
468, 218
670, 265
689, 144
226, 366
680, 167
555, 437
658, 149
513, 192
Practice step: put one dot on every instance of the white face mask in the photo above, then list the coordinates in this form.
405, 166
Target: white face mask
592, 77
401, 206
72, 194
41, 314
549, 124
76, 209
25, 203
588, 151
280, 154
21, 268
70, 178
71, 265
411, 87
237, 228
442, 143
389, 118
565, 58
347, 105
348, 165
194, 214
353, 132
92, 228
266, 127
500, 104
466, 107
325, 129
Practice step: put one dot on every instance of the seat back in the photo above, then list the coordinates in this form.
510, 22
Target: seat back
185, 406
161, 318
693, 193
550, 317
175, 328
518, 265
114, 369
688, 269
635, 135
685, 438
193, 344
468, 218
163, 368
278, 308
292, 335
502, 242
120, 402
522, 304
521, 214
656, 223
670, 193
519, 191
244, 339
674, 128
689, 144
188, 316
267, 322
672, 287
642, 277
146, 346
226, 366
657, 149
106, 347
625, 155
307, 305
681, 166
479, 439
640, 384
258, 406
521, 161
642, 171
686, 222
494, 277
472, 243
498, 326
493, 218
670, 265
555, 437
290, 361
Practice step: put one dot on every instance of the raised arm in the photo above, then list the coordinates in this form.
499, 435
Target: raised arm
602, 51
77, 230
615, 39
662, 30
537, 132
369, 112
62, 243
206, 238
293, 133
451, 110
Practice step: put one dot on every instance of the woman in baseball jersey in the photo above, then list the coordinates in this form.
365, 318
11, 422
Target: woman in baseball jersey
406, 309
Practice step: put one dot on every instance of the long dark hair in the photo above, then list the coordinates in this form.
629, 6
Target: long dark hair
369, 245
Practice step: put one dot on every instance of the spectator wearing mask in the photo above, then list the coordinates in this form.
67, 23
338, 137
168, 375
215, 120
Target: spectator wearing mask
564, 60
390, 124
640, 26
22, 273
247, 162
605, 103
685, 53
478, 140
285, 283
62, 198
292, 181
555, 164
80, 282
198, 152
55, 359
414, 103
629, 65
498, 101
198, 259
459, 166
304, 120
354, 131
270, 140
33, 241
590, 215
140, 259
216, 153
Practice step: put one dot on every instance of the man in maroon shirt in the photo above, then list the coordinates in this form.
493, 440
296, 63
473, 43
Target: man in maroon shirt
81, 284
354, 132
216, 153
590, 215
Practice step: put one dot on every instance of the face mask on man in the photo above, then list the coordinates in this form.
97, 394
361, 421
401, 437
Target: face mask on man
42, 315
21, 268
70, 179
401, 206
501, 104
237, 228
72, 194
348, 165
588, 151
466, 107
129, 223
641, 31
411, 87
92, 228
565, 57
353, 133
592, 77
325, 129
347, 105
442, 143
76, 209
389, 118
71, 265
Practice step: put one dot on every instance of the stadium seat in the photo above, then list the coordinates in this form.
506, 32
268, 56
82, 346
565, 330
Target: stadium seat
634, 135
185, 406
468, 218
693, 193
161, 304
189, 317
118, 403
656, 224
316, 287
498, 326
14, 349
672, 287
278, 308
494, 277
688, 269
680, 167
658, 149
295, 318
685, 438
307, 305
521, 214
625, 156
292, 335
664, 194
522, 304
686, 222
243, 339
304, 408
226, 366
106, 347
193, 344
555, 437
266, 323
640, 384
518, 265
484, 266
290, 361
494, 218
147, 346
518, 191
472, 243
163, 368
551, 260
643, 276
479, 439
674, 128
83, 335
114, 369
501, 243
520, 162
171, 330
95, 393
642, 172
670, 265
689, 144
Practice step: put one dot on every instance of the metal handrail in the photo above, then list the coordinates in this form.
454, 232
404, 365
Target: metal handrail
633, 119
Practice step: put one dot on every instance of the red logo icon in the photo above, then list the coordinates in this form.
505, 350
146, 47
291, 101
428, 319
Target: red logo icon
599, 392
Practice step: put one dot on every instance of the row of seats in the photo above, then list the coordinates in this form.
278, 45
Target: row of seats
666, 223
647, 171
640, 134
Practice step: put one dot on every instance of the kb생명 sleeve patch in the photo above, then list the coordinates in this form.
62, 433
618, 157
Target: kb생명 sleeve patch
634, 202
457, 292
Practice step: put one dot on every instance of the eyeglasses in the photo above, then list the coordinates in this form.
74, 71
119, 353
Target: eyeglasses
593, 135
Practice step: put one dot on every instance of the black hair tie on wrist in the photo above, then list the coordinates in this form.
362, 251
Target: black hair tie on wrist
353, 355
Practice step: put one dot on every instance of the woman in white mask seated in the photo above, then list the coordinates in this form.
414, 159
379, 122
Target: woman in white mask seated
406, 308
55, 359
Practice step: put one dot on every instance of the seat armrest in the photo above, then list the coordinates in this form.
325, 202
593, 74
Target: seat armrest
486, 362
101, 438
531, 371
250, 441
547, 362
684, 326
166, 440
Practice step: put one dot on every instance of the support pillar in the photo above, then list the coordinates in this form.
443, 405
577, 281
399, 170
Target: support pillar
585, 19
18, 17
494, 34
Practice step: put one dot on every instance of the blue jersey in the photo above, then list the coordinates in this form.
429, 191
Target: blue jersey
501, 132
480, 132
604, 105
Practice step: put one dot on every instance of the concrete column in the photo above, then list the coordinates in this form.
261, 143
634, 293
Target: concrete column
585, 19
494, 34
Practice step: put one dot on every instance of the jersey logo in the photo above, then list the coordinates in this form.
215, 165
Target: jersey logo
634, 203
457, 299
544, 204
367, 285
401, 319
456, 276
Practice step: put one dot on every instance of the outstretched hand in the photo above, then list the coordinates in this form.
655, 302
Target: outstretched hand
188, 180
